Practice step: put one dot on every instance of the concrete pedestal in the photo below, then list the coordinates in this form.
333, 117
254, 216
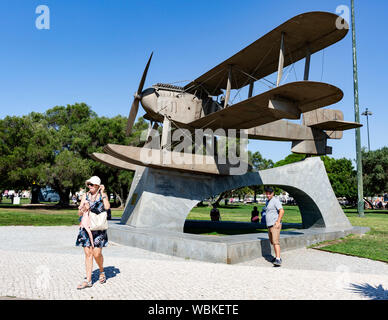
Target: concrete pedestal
162, 199
221, 249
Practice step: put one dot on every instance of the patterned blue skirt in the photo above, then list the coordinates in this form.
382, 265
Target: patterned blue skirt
100, 238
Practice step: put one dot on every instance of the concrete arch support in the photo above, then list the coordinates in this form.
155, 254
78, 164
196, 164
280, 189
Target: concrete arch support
161, 199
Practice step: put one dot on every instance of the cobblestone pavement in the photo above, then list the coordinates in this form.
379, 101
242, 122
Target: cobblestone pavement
43, 263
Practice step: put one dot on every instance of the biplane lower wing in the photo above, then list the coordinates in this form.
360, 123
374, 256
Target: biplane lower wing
113, 161
169, 160
336, 125
287, 101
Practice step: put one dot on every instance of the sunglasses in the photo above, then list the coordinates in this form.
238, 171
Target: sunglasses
90, 185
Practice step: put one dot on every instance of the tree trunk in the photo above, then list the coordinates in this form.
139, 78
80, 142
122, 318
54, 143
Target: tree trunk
125, 194
64, 197
115, 199
120, 200
35, 194
221, 196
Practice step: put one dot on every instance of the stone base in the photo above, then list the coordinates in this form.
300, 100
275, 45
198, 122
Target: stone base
221, 249
161, 199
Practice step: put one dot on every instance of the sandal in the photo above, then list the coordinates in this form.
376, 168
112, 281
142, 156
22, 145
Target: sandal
85, 284
102, 278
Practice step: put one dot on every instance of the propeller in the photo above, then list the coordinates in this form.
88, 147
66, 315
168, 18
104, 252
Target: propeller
135, 103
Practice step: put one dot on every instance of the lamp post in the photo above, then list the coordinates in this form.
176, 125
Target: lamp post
367, 113
360, 186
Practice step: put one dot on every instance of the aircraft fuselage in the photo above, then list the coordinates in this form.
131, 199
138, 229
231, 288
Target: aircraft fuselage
179, 106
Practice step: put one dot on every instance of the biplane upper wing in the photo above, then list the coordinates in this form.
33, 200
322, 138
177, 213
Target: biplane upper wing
286, 101
307, 32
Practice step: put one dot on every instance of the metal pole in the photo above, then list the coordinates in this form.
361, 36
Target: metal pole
367, 113
360, 187
367, 124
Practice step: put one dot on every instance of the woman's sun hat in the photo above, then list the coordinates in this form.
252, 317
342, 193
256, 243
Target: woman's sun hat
93, 180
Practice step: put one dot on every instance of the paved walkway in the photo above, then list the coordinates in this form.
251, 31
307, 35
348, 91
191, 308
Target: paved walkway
42, 263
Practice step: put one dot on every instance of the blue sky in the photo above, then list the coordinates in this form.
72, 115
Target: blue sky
95, 52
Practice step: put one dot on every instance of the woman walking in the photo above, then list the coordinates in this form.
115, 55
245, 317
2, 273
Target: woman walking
95, 201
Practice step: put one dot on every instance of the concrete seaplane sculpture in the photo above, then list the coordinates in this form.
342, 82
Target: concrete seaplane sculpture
163, 192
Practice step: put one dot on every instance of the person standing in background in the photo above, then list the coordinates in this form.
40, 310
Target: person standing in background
274, 213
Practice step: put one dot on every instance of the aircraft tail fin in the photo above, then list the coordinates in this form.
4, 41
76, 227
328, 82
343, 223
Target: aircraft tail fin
322, 116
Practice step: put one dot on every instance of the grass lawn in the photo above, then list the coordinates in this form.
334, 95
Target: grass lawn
19, 216
242, 213
373, 245
37, 217
8, 202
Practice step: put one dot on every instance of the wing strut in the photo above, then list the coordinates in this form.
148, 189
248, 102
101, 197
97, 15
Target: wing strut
307, 65
251, 86
166, 132
228, 87
281, 60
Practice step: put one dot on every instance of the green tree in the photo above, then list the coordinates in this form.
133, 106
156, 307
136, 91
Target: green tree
241, 193
292, 158
68, 169
375, 171
67, 174
82, 132
342, 176
258, 163
25, 149
54, 149
98, 132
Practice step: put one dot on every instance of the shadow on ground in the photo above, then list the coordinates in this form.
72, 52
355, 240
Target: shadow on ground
231, 228
266, 250
110, 272
369, 291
